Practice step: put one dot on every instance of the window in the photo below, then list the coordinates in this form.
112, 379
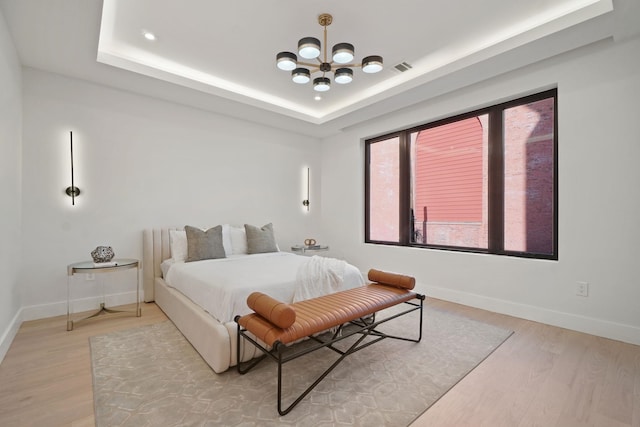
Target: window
384, 192
484, 181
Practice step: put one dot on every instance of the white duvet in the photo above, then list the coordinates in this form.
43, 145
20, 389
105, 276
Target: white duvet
221, 286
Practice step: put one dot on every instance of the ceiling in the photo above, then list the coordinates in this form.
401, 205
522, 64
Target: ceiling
220, 56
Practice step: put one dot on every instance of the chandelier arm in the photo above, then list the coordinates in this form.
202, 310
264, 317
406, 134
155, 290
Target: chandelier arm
352, 65
308, 64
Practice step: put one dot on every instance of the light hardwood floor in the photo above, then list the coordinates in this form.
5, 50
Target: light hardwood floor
541, 376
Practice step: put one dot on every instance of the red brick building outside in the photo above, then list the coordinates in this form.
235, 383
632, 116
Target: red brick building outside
449, 182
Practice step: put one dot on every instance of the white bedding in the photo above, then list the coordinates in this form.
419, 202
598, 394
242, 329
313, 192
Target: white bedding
221, 286
319, 276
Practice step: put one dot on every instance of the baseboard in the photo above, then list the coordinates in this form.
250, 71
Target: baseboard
598, 327
602, 328
43, 311
9, 334
59, 308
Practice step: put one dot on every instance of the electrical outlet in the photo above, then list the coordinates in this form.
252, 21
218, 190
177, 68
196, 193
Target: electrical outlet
90, 276
582, 289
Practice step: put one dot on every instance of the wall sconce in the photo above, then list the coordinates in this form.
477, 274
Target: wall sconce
72, 191
305, 202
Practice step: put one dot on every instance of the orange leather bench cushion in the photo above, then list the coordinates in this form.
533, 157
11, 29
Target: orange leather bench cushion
279, 313
319, 314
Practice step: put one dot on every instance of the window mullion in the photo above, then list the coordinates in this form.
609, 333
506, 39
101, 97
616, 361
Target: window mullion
367, 192
496, 182
405, 189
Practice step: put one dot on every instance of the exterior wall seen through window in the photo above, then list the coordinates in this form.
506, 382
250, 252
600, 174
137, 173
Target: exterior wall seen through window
484, 181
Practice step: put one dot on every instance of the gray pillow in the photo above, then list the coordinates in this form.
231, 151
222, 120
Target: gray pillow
260, 240
204, 244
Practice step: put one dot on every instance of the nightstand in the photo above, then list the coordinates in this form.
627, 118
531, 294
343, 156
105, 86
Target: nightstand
88, 267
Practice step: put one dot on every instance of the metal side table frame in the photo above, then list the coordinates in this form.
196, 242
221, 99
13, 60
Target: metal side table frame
90, 267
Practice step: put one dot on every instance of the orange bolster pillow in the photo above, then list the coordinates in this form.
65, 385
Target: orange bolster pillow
392, 279
276, 312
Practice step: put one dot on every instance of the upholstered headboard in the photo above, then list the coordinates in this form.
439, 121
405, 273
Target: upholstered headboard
155, 249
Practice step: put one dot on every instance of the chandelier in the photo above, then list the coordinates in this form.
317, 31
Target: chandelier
340, 63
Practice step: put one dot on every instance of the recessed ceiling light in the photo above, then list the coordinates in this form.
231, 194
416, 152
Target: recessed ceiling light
149, 35
317, 97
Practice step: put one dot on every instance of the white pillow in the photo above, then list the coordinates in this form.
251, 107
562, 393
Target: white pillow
178, 244
226, 239
238, 240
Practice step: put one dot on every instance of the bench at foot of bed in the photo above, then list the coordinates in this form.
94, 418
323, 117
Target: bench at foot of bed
275, 325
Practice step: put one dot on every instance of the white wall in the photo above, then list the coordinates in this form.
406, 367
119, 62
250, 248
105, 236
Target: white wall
599, 199
10, 179
142, 162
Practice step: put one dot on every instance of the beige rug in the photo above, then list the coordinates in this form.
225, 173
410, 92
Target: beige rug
151, 376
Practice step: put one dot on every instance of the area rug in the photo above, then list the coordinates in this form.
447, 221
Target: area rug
151, 376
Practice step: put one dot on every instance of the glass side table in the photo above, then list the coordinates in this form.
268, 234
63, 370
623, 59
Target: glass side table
90, 267
309, 249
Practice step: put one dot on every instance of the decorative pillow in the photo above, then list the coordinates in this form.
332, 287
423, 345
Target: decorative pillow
204, 244
238, 240
260, 240
178, 243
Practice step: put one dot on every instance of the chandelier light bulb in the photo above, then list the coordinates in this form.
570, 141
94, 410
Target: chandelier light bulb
343, 76
372, 64
286, 61
343, 53
321, 84
309, 47
301, 76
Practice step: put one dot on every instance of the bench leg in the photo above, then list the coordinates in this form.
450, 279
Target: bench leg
244, 367
367, 329
352, 349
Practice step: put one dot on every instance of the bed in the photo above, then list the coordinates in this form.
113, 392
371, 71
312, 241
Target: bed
209, 327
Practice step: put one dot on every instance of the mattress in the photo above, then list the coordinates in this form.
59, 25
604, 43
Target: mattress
221, 286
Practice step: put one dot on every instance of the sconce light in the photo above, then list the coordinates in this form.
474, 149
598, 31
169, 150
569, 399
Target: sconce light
305, 202
72, 191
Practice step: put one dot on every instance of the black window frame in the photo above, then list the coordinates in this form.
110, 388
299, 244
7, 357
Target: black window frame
495, 238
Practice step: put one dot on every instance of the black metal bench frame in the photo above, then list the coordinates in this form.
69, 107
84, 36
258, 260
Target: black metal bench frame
281, 353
